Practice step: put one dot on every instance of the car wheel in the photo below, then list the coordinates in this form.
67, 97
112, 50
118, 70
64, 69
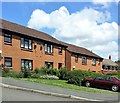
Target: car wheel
114, 88
87, 84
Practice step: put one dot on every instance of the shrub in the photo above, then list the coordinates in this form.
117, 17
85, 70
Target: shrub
117, 74
53, 71
11, 74
76, 76
37, 70
44, 70
26, 73
35, 75
20, 75
48, 71
7, 70
63, 74
4, 74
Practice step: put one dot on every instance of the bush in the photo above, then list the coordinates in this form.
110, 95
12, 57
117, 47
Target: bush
53, 71
63, 74
35, 75
11, 74
7, 70
26, 73
117, 74
4, 74
44, 70
20, 75
37, 71
76, 76
48, 71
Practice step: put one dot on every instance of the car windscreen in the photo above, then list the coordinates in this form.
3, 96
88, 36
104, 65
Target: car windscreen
117, 78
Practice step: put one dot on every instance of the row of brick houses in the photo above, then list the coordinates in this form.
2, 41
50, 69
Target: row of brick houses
23, 47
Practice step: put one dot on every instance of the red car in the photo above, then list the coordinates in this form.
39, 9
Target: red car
106, 82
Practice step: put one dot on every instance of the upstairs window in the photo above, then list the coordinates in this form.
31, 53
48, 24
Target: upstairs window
60, 50
8, 62
76, 58
26, 43
98, 61
84, 60
93, 61
48, 48
26, 64
8, 38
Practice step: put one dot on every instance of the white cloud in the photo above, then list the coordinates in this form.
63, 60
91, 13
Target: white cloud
104, 3
88, 28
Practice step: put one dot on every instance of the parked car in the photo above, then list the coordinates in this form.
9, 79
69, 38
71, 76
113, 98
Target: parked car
106, 82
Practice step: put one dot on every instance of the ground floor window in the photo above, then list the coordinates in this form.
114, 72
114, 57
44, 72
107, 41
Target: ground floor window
49, 64
59, 65
8, 62
26, 64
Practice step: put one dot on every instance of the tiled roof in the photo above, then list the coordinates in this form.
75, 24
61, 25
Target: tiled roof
81, 50
109, 62
43, 36
27, 31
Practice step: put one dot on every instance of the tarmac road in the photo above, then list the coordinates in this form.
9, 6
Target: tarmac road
18, 95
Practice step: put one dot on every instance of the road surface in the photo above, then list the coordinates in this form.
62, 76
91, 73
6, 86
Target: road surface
18, 95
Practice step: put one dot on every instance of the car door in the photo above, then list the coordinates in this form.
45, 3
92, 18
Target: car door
98, 82
108, 82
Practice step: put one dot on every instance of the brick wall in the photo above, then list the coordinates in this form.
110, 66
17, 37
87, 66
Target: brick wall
79, 66
38, 56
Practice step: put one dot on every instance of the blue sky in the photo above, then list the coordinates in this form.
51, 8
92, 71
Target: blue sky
21, 12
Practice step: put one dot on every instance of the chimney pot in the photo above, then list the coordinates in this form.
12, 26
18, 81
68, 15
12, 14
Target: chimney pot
110, 57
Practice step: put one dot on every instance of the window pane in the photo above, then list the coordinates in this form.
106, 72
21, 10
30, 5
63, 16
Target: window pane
93, 61
26, 44
7, 38
23, 64
51, 49
45, 47
22, 42
26, 65
8, 35
84, 60
8, 62
30, 44
30, 65
59, 50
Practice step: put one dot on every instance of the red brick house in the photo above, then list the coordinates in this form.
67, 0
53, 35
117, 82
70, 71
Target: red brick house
23, 47
82, 59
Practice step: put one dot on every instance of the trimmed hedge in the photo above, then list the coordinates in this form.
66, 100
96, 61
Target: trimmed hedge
117, 74
63, 72
76, 76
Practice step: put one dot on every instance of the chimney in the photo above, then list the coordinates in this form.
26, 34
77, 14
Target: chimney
110, 57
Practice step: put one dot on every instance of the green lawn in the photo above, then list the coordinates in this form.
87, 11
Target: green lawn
64, 84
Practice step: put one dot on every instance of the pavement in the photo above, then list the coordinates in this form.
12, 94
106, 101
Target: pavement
57, 91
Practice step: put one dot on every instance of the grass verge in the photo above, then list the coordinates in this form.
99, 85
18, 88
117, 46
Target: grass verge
64, 84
